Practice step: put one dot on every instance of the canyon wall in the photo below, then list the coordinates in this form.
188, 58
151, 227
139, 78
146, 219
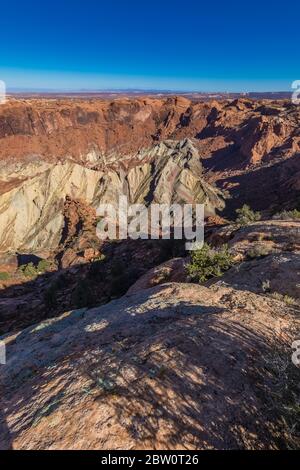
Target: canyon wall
154, 150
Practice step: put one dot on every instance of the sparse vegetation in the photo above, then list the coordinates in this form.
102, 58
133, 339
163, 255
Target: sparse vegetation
4, 276
276, 295
266, 286
287, 299
293, 242
286, 215
245, 215
101, 257
258, 251
43, 266
260, 237
284, 397
209, 262
29, 270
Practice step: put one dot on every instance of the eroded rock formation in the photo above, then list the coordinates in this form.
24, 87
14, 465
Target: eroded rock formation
31, 214
94, 149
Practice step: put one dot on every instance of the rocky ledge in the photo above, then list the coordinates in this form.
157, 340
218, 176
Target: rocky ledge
176, 366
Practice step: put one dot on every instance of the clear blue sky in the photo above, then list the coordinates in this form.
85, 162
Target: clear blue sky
188, 44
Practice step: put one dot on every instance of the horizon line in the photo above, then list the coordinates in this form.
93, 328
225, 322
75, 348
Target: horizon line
137, 90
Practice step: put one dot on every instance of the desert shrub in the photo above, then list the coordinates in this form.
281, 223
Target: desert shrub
43, 266
245, 215
28, 270
285, 215
259, 237
4, 276
276, 295
283, 399
208, 262
258, 251
266, 286
287, 299
99, 258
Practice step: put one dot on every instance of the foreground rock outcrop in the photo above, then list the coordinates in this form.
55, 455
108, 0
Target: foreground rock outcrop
177, 366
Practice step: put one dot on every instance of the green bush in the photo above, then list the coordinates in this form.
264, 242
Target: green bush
4, 276
245, 215
208, 262
43, 266
285, 215
28, 270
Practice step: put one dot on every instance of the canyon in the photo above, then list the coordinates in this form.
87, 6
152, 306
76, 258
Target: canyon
112, 344
93, 150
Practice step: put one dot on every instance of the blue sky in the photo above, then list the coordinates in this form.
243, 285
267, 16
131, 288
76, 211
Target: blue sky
177, 45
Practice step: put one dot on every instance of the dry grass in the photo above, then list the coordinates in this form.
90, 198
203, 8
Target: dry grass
284, 400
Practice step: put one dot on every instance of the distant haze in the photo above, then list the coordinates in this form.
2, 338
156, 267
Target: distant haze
170, 45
